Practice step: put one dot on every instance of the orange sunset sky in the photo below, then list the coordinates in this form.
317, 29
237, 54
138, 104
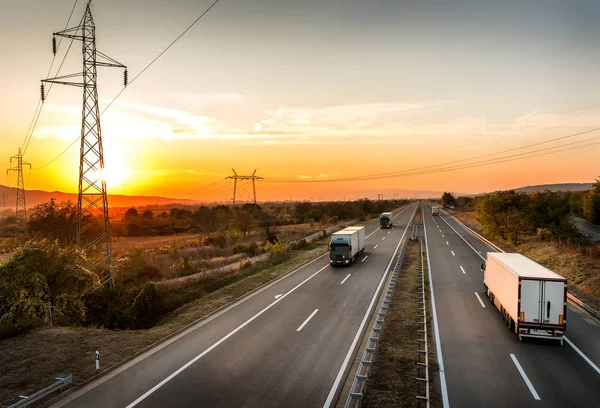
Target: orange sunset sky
312, 90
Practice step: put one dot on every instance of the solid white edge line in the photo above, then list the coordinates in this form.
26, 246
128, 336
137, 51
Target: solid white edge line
308, 319
525, 378
453, 254
480, 301
340, 374
345, 279
438, 342
463, 270
365, 258
208, 350
586, 358
463, 238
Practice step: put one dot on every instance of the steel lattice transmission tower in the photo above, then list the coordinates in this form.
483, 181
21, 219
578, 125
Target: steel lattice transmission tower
92, 197
21, 209
252, 178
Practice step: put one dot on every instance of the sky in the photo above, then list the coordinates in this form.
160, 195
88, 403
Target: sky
312, 90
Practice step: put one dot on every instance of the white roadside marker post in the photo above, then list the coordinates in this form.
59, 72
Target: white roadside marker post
97, 360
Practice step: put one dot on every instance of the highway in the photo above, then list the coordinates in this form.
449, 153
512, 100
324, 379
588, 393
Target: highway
587, 228
484, 362
287, 344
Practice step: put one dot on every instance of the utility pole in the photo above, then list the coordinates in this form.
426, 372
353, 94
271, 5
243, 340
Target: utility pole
251, 178
92, 198
21, 209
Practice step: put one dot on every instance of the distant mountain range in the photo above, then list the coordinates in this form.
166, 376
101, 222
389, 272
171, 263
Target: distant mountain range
556, 187
35, 197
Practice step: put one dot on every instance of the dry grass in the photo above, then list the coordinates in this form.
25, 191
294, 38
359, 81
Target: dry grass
32, 361
582, 273
393, 381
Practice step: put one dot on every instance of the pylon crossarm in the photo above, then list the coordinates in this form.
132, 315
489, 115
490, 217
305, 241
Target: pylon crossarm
111, 62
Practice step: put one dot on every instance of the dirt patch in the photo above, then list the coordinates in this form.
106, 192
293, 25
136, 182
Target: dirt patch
393, 381
31, 362
574, 263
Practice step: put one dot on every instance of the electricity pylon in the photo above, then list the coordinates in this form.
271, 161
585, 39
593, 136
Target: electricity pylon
237, 177
92, 199
21, 209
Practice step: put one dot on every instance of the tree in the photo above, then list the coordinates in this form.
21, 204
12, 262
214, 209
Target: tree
244, 220
43, 275
591, 203
448, 200
147, 214
58, 221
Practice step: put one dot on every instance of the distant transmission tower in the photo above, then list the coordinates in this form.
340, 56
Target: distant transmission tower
237, 177
21, 209
92, 186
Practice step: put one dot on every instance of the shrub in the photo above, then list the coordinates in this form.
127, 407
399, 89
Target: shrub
42, 275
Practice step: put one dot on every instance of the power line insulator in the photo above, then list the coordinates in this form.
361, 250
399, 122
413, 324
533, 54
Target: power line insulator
125, 78
54, 45
43, 93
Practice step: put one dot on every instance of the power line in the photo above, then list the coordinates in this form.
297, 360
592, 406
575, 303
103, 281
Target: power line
136, 77
395, 173
38, 110
429, 170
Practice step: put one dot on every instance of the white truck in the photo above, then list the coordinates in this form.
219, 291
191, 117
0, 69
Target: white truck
435, 210
531, 298
346, 245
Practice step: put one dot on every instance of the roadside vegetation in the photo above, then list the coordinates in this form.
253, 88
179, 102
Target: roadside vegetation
539, 226
169, 259
393, 381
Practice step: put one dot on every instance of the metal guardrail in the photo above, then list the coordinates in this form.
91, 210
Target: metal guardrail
61, 382
422, 353
573, 299
359, 385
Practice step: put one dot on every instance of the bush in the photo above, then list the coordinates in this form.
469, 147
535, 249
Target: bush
43, 275
250, 249
146, 307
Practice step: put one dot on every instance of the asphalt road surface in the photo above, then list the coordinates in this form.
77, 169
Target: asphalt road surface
485, 364
587, 228
286, 345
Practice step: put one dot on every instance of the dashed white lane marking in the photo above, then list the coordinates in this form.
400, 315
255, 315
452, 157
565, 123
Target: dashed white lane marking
480, 301
463, 270
525, 378
453, 254
345, 279
365, 258
307, 320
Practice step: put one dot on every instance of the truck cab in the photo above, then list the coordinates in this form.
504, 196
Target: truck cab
435, 211
385, 220
340, 250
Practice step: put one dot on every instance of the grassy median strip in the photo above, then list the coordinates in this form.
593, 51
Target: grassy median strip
393, 381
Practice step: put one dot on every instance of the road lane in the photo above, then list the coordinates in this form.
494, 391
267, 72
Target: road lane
265, 360
582, 330
475, 341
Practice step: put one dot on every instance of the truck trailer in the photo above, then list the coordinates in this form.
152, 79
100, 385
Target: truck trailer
346, 245
385, 220
435, 211
531, 298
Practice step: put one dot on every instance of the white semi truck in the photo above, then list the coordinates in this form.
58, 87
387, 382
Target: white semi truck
435, 210
531, 298
346, 245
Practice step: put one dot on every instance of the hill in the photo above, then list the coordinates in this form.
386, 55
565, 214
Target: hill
35, 197
555, 187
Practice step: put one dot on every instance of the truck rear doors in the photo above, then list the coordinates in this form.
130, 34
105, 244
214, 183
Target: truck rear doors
542, 302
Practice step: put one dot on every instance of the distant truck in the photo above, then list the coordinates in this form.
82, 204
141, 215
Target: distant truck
531, 298
435, 211
346, 245
385, 220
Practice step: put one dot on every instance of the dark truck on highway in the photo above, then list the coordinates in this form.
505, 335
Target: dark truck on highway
385, 220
